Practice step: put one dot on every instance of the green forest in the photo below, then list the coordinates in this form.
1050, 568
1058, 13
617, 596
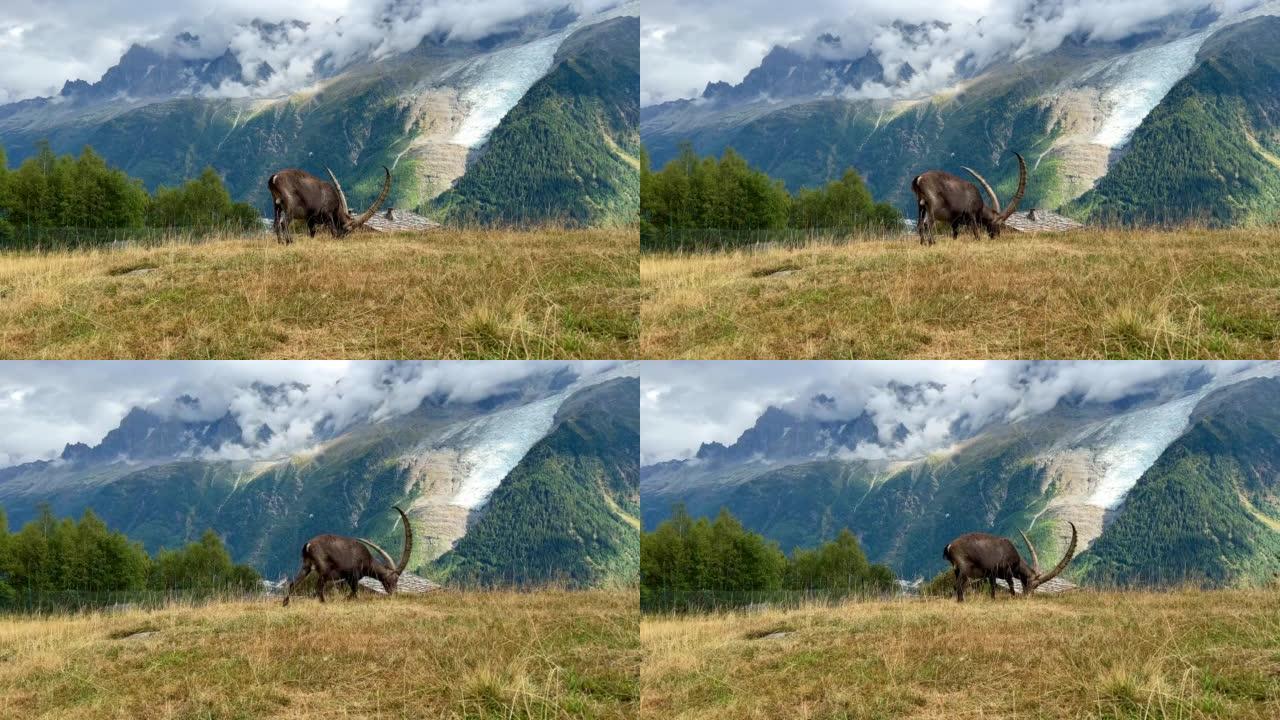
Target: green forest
728, 196
58, 563
687, 563
49, 194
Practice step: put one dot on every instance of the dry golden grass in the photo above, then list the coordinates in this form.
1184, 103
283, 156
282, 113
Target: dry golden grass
447, 655
1086, 294
442, 294
1087, 655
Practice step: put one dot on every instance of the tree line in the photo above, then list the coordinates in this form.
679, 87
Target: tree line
49, 191
722, 559
726, 194
51, 558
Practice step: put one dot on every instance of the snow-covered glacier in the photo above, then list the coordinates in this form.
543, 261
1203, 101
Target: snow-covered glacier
490, 446
494, 444
1138, 82
494, 83
1133, 84
1126, 445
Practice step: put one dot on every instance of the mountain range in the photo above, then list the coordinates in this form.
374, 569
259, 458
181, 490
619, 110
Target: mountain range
537, 482
552, 100
1174, 483
1178, 122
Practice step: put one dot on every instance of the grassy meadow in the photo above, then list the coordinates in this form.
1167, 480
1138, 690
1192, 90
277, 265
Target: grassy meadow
442, 294
545, 655
1192, 293
1187, 654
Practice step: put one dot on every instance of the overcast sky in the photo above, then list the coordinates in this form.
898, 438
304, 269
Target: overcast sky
684, 45
684, 404
45, 405
44, 43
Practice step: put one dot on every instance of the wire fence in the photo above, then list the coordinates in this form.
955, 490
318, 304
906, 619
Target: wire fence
710, 601
711, 240
28, 601
64, 239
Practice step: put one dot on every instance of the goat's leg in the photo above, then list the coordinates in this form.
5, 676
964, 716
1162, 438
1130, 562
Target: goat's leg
276, 225
354, 582
960, 581
302, 575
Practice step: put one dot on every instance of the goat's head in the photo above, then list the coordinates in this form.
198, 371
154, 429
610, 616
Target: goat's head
992, 217
389, 573
344, 222
1031, 576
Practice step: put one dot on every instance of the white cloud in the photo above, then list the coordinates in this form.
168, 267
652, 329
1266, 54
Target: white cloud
45, 405
684, 404
44, 44
685, 46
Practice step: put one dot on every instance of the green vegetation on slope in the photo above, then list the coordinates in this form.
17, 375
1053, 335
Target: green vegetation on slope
728, 196
904, 519
691, 564
1210, 151
1207, 511
264, 517
568, 151
566, 512
354, 125
810, 144
51, 563
48, 194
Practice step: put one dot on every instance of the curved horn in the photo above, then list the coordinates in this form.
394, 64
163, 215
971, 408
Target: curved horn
995, 201
1035, 560
385, 555
408, 542
364, 217
1062, 564
1022, 190
342, 197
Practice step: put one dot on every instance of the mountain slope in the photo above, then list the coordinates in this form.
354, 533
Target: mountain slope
1174, 484
567, 511
425, 114
1203, 146
569, 149
1208, 511
1211, 149
442, 462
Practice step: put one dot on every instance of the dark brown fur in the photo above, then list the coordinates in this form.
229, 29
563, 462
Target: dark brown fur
299, 195
981, 555
944, 198
347, 559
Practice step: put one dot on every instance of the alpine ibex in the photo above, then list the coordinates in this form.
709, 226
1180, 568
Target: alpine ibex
979, 555
336, 557
944, 198
299, 195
